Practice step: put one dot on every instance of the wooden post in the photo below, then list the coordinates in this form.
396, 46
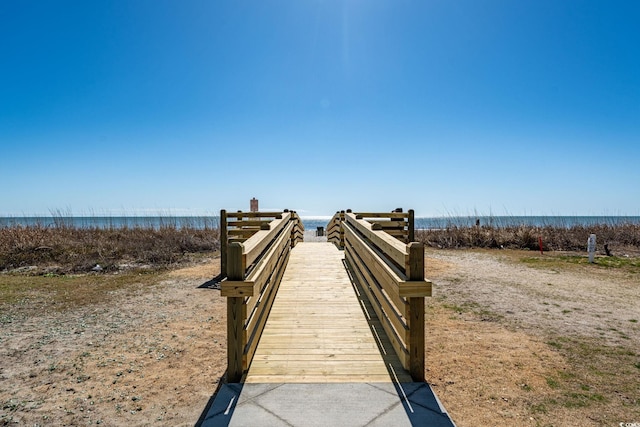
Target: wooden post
224, 241
342, 229
236, 315
415, 271
411, 226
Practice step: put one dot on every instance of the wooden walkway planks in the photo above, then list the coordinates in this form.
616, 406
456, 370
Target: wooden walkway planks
317, 330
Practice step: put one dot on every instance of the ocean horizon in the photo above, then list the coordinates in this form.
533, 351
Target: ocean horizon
310, 223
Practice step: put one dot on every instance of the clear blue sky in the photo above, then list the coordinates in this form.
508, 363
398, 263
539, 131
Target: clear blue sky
447, 107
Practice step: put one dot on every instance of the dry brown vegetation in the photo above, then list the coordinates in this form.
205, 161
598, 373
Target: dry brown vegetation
618, 237
65, 249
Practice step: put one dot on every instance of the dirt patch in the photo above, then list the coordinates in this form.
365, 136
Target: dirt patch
151, 357
486, 374
515, 343
509, 342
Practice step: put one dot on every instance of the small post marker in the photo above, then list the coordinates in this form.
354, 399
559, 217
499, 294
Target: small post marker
591, 247
540, 244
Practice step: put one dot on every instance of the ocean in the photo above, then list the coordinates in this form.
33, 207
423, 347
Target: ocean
202, 222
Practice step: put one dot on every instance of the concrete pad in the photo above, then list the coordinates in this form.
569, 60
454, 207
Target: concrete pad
344, 404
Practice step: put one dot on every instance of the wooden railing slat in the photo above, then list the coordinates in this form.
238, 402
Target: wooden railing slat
401, 351
395, 215
254, 215
256, 244
394, 248
390, 310
254, 270
387, 275
253, 343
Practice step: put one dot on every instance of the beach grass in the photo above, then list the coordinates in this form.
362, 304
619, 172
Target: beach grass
63, 248
617, 237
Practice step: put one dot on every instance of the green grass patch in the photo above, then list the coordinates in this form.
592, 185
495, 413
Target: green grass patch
553, 383
555, 344
553, 261
596, 375
23, 293
474, 308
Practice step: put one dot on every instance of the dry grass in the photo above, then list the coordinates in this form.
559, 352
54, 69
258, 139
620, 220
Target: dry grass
64, 249
618, 237
123, 349
534, 340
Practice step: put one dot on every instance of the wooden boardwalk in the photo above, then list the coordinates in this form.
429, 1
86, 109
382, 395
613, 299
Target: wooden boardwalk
320, 329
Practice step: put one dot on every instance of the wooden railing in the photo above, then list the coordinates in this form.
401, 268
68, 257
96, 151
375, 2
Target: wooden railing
391, 273
240, 226
397, 224
385, 262
335, 233
255, 256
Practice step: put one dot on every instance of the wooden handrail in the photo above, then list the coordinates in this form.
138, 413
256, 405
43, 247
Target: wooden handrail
389, 270
335, 233
391, 273
254, 270
241, 214
391, 246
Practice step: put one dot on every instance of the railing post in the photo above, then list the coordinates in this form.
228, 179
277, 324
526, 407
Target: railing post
411, 226
224, 241
415, 271
342, 229
236, 316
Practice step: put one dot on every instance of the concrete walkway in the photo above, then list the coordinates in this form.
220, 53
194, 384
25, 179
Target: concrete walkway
343, 404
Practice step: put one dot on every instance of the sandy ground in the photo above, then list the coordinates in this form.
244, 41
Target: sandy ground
491, 328
155, 358
151, 359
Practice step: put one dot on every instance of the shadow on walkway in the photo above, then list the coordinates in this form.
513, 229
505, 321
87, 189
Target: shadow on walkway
343, 404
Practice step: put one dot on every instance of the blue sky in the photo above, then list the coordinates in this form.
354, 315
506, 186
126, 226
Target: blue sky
446, 107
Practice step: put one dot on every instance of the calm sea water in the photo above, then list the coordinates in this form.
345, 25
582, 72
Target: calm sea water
310, 224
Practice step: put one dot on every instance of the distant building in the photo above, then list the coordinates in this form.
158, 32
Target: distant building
253, 205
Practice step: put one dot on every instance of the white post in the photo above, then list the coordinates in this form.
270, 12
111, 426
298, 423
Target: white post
591, 247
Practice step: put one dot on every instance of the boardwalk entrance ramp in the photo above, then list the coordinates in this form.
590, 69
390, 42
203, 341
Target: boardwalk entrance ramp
324, 359
317, 330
